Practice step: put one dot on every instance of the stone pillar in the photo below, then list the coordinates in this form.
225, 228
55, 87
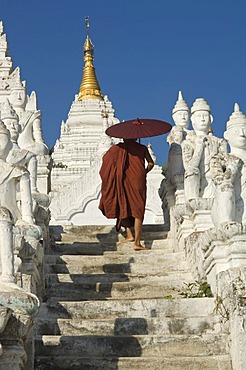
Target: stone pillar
13, 357
219, 255
6, 249
231, 305
20, 307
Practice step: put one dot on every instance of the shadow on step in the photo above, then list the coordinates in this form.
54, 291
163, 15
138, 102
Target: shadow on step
90, 280
88, 351
118, 267
130, 326
82, 248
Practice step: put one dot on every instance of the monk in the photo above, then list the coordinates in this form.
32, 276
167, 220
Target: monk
123, 192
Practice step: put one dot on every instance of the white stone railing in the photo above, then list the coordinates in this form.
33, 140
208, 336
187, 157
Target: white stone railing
73, 197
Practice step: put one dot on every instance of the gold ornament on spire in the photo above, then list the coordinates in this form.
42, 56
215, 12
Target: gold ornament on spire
89, 88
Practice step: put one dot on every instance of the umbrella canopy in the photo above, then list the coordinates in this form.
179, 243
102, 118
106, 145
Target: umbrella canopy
138, 128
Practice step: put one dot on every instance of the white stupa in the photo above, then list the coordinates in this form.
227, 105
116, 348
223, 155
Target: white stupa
78, 152
90, 114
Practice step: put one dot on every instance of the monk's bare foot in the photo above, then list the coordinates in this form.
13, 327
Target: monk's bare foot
140, 248
127, 240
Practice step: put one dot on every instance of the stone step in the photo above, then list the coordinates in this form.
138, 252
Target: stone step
79, 248
111, 278
98, 248
102, 233
145, 256
108, 238
116, 309
156, 288
99, 229
128, 326
131, 346
123, 268
171, 260
119, 268
141, 263
221, 362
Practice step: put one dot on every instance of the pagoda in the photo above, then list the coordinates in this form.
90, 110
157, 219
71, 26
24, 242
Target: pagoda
78, 152
81, 135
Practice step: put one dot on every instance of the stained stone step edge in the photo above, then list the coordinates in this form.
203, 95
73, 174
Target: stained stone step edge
144, 345
160, 307
128, 326
120, 290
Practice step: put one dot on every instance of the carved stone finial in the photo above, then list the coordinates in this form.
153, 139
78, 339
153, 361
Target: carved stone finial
237, 117
180, 104
200, 104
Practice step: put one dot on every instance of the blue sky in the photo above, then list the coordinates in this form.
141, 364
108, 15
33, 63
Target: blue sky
145, 51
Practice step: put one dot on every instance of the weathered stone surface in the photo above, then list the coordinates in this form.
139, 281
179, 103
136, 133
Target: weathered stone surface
121, 309
129, 326
121, 290
186, 307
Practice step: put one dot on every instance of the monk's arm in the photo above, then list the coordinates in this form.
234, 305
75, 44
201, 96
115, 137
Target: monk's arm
150, 162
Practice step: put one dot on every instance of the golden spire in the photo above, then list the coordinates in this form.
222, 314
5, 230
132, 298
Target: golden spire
89, 88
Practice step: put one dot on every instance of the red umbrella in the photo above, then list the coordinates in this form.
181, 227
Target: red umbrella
138, 128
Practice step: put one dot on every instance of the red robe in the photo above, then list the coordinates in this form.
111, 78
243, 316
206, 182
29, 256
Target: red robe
123, 192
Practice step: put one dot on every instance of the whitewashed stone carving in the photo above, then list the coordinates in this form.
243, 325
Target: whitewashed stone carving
17, 155
31, 133
172, 187
27, 159
198, 148
18, 96
175, 174
230, 173
210, 224
11, 213
21, 252
30, 136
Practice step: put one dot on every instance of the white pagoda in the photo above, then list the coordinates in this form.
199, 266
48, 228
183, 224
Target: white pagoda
77, 155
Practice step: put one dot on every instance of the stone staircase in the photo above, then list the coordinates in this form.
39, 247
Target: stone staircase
109, 307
